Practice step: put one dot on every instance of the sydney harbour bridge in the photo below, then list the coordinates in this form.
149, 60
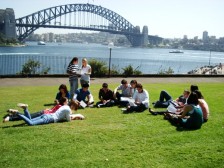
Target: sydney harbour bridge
75, 16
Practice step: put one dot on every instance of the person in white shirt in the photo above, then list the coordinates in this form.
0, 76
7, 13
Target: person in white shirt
141, 100
85, 72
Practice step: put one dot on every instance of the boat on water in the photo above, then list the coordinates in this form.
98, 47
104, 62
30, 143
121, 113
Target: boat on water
41, 43
176, 51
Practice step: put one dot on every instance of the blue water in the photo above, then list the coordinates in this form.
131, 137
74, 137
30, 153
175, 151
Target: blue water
149, 61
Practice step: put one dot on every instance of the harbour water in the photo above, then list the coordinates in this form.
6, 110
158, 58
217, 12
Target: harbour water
148, 61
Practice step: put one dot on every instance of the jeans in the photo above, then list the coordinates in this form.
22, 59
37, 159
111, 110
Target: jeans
164, 100
33, 115
73, 86
43, 119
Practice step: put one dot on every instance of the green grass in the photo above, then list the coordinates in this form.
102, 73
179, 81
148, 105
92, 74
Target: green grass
109, 138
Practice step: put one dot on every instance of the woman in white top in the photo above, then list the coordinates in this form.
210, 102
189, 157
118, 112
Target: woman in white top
85, 72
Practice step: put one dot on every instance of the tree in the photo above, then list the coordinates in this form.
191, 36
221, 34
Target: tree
30, 67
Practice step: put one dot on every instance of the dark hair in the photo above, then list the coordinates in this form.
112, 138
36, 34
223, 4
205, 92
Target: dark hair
194, 87
105, 85
85, 85
73, 59
124, 81
133, 81
63, 86
139, 85
62, 100
192, 99
199, 94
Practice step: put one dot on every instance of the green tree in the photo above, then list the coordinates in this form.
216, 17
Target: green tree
30, 67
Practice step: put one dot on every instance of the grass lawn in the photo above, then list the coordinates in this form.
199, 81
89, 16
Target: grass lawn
109, 138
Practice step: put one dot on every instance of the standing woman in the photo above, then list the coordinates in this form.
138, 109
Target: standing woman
85, 72
72, 70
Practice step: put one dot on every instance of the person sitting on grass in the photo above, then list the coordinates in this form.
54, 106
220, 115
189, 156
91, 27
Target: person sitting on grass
83, 95
63, 92
105, 96
141, 100
203, 104
191, 116
126, 91
62, 114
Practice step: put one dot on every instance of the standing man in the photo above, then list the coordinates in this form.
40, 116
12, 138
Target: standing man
72, 70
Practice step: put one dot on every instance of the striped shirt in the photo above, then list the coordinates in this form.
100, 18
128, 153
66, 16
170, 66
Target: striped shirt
72, 70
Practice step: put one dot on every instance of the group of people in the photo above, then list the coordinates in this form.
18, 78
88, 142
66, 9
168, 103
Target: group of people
191, 110
64, 105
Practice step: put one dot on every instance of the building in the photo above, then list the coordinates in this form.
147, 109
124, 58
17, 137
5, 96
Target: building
7, 23
205, 37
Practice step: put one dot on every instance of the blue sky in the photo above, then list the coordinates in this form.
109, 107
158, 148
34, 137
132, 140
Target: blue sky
165, 18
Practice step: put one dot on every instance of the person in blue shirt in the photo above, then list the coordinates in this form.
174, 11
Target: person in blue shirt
63, 92
83, 94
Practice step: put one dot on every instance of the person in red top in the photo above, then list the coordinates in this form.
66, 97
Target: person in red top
34, 115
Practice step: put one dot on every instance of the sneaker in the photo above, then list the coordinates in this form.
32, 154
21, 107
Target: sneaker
91, 105
12, 111
22, 105
6, 119
124, 109
152, 112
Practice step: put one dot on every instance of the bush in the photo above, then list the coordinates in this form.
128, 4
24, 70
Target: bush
128, 70
31, 67
163, 71
99, 68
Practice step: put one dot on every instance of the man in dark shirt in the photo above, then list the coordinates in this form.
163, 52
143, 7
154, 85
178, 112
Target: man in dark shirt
105, 96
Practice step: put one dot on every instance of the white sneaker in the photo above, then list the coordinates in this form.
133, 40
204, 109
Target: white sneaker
124, 109
22, 105
12, 111
6, 119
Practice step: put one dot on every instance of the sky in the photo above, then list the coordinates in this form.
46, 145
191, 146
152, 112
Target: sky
165, 18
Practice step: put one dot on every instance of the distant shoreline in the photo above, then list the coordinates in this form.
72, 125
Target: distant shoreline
13, 45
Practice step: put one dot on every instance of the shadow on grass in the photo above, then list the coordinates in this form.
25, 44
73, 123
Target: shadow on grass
49, 104
18, 125
173, 123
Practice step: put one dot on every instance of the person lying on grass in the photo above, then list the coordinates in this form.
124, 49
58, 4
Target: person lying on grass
36, 114
62, 114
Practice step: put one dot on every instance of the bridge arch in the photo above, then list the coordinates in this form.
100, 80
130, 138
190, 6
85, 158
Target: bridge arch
28, 24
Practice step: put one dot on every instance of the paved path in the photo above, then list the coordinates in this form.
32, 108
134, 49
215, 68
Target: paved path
56, 81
